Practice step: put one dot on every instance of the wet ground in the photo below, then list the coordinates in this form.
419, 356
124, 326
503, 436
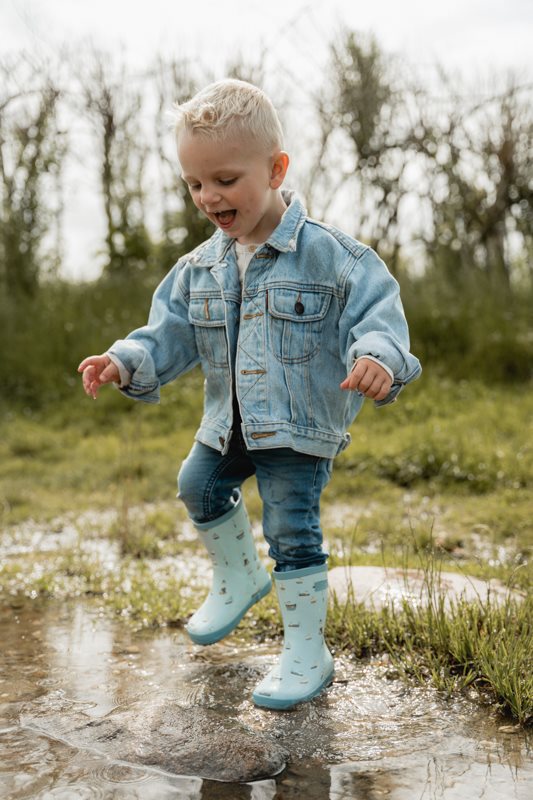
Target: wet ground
368, 737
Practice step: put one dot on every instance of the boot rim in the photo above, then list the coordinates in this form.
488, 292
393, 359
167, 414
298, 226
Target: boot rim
212, 523
291, 574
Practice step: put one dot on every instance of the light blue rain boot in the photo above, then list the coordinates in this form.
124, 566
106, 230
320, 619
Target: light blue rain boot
239, 578
305, 666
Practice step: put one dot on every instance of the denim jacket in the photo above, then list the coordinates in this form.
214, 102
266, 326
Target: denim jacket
313, 301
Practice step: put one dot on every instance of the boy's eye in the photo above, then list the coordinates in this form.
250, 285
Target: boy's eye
194, 186
227, 181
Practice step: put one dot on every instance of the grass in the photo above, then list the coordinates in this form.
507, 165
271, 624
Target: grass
442, 478
478, 645
443, 451
147, 597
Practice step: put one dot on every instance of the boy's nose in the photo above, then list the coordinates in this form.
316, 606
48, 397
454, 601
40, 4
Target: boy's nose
209, 197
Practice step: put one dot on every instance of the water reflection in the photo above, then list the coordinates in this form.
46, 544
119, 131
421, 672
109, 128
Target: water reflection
457, 777
367, 738
81, 658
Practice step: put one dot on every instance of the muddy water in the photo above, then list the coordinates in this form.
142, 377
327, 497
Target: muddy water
369, 737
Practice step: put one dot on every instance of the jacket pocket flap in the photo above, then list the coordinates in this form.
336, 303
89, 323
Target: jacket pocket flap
208, 312
297, 305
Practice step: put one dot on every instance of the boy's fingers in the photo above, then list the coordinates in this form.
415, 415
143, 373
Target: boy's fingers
361, 377
366, 383
350, 383
109, 374
90, 380
383, 393
94, 371
87, 374
359, 370
375, 389
87, 385
352, 380
364, 380
94, 361
86, 363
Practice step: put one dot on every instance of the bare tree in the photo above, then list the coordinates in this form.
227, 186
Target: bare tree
31, 150
114, 108
362, 142
479, 190
183, 227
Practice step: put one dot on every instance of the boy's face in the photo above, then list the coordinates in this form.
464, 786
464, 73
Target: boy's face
234, 183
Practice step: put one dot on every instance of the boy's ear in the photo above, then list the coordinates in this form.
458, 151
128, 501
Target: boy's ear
280, 165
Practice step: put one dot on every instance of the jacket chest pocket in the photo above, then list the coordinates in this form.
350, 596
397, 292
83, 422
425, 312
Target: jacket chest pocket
207, 314
296, 322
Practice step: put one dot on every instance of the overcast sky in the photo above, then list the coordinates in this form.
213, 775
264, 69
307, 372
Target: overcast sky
473, 33
476, 37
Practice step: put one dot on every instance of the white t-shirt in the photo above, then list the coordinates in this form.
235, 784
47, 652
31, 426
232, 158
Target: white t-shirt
244, 254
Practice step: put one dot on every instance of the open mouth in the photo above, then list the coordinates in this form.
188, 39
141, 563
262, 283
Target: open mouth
225, 218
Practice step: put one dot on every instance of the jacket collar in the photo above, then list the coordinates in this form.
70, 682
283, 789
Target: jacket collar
283, 238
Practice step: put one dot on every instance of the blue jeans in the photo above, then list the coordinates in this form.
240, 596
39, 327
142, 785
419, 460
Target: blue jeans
289, 483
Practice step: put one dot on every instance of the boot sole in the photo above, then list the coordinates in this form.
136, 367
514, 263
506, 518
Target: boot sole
221, 633
281, 704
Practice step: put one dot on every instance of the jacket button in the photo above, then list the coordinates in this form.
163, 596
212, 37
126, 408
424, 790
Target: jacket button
299, 307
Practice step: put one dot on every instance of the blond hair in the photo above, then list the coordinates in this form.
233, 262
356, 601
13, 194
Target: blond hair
231, 106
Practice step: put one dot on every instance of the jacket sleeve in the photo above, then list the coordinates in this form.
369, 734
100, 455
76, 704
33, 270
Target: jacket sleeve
163, 348
373, 322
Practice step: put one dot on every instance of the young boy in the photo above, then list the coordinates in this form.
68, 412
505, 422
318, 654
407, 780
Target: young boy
293, 323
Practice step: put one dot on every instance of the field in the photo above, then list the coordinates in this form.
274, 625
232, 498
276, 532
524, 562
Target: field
441, 480
449, 464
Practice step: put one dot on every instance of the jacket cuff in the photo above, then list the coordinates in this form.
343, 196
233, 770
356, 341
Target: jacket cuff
125, 375
143, 382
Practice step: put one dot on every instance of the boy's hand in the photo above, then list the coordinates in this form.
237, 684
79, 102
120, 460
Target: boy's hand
97, 370
369, 378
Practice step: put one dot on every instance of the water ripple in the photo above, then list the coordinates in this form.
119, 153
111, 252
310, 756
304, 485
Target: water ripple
74, 791
122, 773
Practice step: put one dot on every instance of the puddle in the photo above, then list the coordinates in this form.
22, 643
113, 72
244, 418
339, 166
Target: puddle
68, 671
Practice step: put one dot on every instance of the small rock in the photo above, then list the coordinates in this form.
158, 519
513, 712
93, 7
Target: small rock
183, 741
510, 729
382, 586
129, 650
